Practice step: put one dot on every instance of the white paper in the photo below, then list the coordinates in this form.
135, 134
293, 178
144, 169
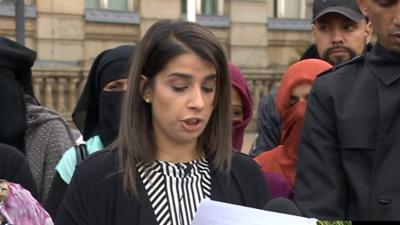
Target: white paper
217, 213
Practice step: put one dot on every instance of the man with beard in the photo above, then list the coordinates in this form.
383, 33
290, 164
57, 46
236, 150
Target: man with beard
350, 148
341, 33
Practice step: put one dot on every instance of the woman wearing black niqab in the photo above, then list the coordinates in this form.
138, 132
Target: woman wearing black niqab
98, 110
15, 79
37, 131
96, 115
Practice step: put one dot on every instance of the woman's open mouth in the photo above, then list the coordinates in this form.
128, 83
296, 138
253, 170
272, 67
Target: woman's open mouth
192, 124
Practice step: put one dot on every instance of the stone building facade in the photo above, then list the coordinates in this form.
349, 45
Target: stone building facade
261, 36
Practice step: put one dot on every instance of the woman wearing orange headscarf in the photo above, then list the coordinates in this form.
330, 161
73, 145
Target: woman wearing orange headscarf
291, 103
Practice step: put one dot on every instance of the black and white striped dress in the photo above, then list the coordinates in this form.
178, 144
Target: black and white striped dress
176, 189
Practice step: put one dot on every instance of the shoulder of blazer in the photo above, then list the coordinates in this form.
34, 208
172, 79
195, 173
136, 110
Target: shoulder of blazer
246, 171
250, 180
243, 163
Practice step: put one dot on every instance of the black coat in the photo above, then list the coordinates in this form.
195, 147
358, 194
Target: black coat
349, 155
14, 168
95, 197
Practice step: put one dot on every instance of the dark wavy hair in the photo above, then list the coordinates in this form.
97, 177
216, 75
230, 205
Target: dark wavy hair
162, 42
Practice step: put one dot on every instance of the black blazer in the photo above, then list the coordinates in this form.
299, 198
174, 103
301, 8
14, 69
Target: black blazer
348, 159
96, 196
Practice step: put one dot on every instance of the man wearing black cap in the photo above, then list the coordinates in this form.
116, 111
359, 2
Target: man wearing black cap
341, 32
349, 152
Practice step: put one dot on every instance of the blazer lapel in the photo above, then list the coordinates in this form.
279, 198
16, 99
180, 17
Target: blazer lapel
146, 212
224, 188
217, 188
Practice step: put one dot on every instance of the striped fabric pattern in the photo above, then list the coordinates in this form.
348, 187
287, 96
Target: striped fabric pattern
176, 189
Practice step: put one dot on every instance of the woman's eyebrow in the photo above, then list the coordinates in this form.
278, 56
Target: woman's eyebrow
180, 75
211, 77
188, 76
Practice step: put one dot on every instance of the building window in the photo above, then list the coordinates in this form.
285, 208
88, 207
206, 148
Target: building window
121, 5
207, 7
295, 9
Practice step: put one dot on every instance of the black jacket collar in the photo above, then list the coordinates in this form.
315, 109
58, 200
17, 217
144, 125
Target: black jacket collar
384, 64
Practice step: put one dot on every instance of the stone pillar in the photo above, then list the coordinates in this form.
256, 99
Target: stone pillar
48, 92
153, 10
248, 34
72, 89
37, 81
62, 82
60, 30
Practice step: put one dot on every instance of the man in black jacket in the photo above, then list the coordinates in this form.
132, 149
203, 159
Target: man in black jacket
350, 148
341, 32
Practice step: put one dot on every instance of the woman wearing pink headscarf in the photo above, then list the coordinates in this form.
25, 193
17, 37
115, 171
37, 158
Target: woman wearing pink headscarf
242, 112
242, 106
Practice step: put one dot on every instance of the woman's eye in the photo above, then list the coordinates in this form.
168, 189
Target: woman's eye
114, 87
208, 89
293, 100
179, 88
209, 86
237, 113
117, 85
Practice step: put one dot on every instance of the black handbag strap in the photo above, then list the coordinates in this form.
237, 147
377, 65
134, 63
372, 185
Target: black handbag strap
81, 153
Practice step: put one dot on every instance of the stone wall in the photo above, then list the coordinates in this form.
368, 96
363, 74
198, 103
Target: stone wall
67, 41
